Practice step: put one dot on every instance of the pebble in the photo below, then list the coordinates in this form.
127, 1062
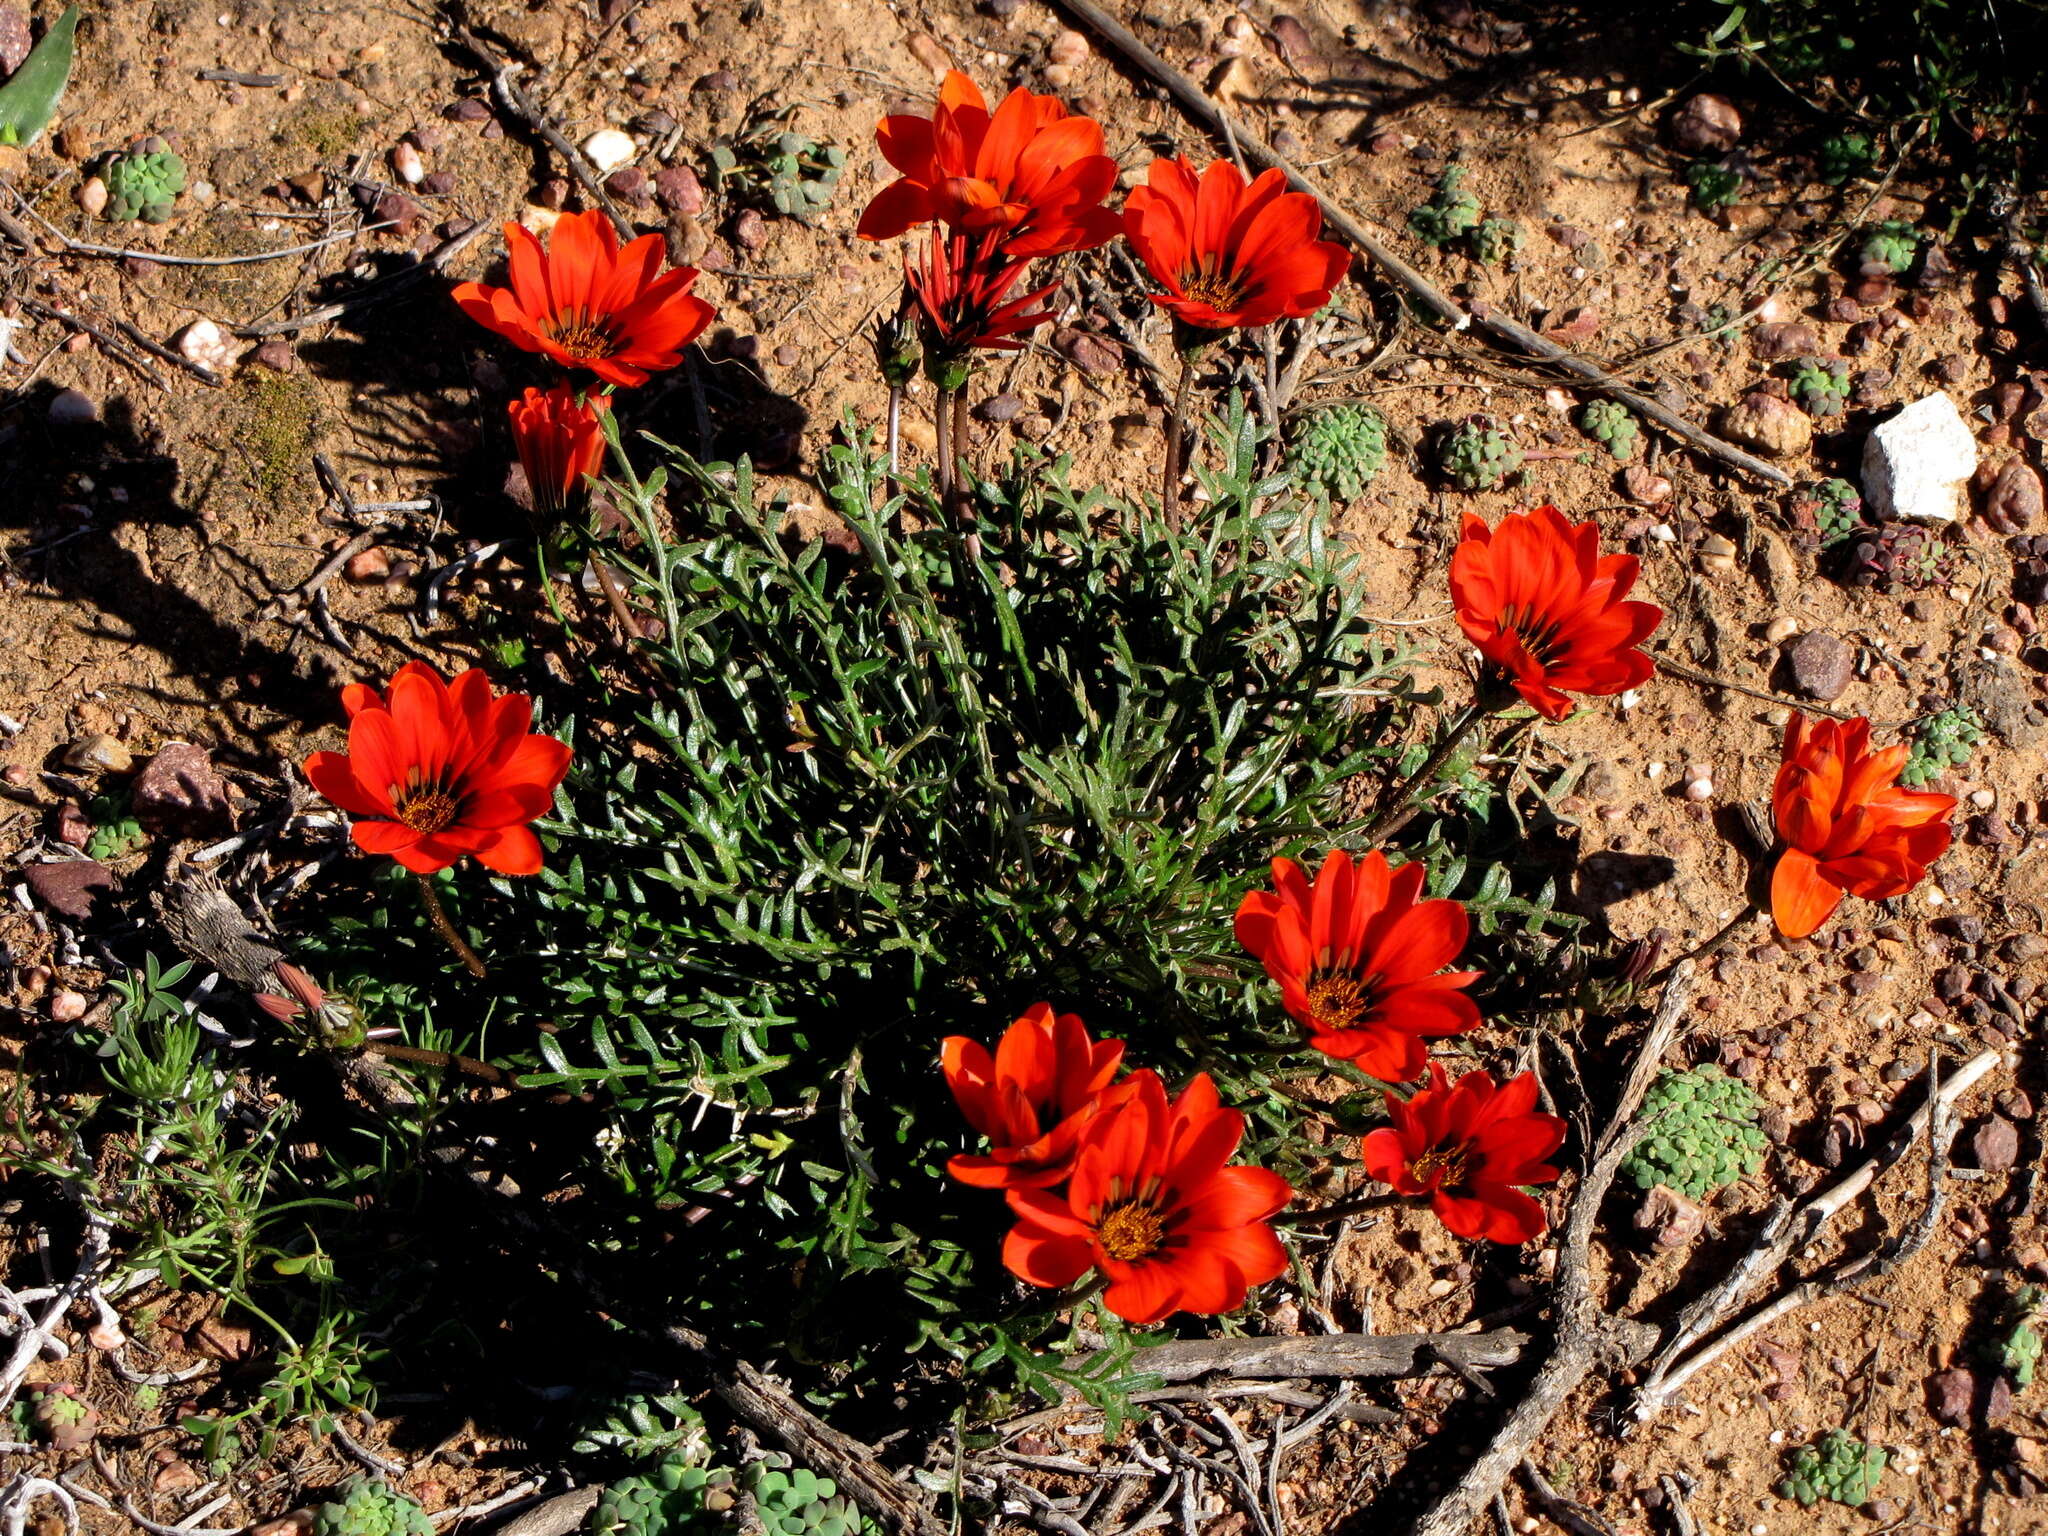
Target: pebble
1000, 408
1822, 665
931, 54
67, 1005
91, 196
1644, 486
72, 408
1916, 463
608, 149
369, 565
678, 190
467, 110
1087, 351
1717, 554
1995, 1143
98, 753
206, 344
1781, 629
405, 160
749, 230
1071, 48
276, 354
629, 184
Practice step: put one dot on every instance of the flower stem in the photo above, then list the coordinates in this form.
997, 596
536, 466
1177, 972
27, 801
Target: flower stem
1709, 947
1356, 1207
1396, 812
895, 432
438, 916
1176, 428
964, 515
942, 423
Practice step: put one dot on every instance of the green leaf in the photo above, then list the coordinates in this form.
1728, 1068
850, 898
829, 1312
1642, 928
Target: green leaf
29, 98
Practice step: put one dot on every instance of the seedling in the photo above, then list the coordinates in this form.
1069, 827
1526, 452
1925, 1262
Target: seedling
1836, 506
641, 1428
1477, 454
366, 1507
1496, 241
1451, 211
1339, 451
794, 1501
1890, 246
1837, 1466
1846, 156
675, 1498
2016, 1348
768, 165
1702, 1133
1714, 187
1944, 741
1821, 388
144, 183
1896, 557
1612, 424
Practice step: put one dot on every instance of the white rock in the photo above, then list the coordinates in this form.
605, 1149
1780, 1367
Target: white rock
608, 149
1915, 464
209, 346
406, 161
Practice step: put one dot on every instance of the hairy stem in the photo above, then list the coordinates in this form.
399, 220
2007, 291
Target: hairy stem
438, 916
1396, 811
1176, 428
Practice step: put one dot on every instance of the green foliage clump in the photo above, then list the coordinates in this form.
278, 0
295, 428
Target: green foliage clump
1496, 240
795, 1501
144, 183
1821, 388
1890, 246
367, 1506
676, 1497
1944, 741
766, 164
2016, 1346
1836, 506
1837, 1466
29, 98
280, 422
1339, 451
642, 1427
1478, 454
115, 831
1845, 156
1701, 1134
1451, 212
1894, 557
1613, 424
1714, 186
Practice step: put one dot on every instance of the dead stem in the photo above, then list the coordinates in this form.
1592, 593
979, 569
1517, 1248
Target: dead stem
438, 916
1391, 815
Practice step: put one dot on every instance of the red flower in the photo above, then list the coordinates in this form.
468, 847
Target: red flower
588, 304
559, 442
960, 296
1846, 823
438, 770
1031, 1099
1153, 1207
1546, 608
1357, 959
1031, 177
1230, 254
1467, 1147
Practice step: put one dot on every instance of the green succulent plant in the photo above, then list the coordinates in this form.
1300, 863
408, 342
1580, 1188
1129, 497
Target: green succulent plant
1944, 741
1837, 1466
1701, 1133
1478, 454
1450, 212
1339, 450
2016, 1348
58, 1410
144, 183
1846, 155
115, 831
1821, 388
642, 1427
768, 165
1495, 241
1713, 186
795, 1501
365, 1506
1837, 508
675, 1498
28, 99
1612, 423
1891, 245
1895, 557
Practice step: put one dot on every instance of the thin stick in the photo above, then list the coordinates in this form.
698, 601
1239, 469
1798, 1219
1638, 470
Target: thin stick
1384, 824
73, 247
1196, 103
438, 916
199, 371
1693, 674
1176, 429
428, 266
115, 349
1712, 946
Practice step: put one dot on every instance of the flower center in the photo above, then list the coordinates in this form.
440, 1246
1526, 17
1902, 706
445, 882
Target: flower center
1131, 1231
1219, 290
1339, 1000
584, 336
1537, 634
1439, 1167
426, 808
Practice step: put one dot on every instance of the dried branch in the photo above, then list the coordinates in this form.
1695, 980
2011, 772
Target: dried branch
1198, 105
1330, 1354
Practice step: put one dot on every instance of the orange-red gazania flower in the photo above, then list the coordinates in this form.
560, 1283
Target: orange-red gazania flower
1030, 178
1152, 1205
1228, 254
961, 299
1546, 608
1030, 1099
1467, 1146
1847, 825
559, 441
1358, 959
588, 304
438, 770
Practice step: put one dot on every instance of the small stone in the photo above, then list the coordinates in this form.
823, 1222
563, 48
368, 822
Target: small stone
931, 53
67, 1006
1781, 629
629, 184
678, 190
2013, 504
1916, 463
209, 346
1134, 433
1785, 338
1069, 48
276, 354
91, 196
1717, 555
405, 160
98, 753
15, 38
1951, 1394
1087, 351
369, 565
749, 230
608, 149
72, 886
71, 408
1768, 424
719, 82
1001, 408
1644, 486
1673, 1220
403, 216
1995, 1143
73, 826
1706, 125
180, 793
439, 184
1822, 665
